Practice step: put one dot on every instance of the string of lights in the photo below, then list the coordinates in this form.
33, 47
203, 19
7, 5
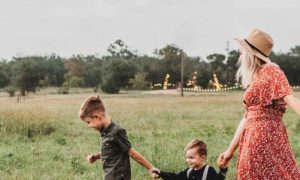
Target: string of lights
224, 89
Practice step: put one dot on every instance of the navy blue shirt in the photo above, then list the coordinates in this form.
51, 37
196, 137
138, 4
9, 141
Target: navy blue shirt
194, 174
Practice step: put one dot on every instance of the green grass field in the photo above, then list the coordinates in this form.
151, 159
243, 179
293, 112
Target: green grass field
41, 137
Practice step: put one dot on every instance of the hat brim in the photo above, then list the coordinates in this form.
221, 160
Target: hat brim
253, 51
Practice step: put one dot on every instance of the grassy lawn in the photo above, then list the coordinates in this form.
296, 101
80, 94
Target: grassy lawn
41, 137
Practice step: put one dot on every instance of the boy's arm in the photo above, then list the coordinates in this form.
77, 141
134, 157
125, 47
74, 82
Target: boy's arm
140, 159
123, 142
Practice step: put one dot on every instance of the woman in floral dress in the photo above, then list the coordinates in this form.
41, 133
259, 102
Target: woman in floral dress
264, 149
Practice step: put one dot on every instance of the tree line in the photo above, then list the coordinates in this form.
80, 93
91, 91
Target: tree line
125, 68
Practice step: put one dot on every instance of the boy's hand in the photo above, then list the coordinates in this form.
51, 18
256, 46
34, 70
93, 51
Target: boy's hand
92, 158
154, 172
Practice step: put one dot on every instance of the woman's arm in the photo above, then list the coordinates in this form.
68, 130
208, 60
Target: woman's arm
293, 102
227, 155
235, 141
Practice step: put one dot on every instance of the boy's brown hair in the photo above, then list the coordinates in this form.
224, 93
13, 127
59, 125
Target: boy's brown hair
195, 143
91, 105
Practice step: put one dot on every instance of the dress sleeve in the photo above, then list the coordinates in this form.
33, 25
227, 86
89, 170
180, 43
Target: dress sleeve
275, 86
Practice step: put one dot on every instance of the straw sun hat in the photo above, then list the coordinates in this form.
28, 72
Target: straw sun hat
258, 43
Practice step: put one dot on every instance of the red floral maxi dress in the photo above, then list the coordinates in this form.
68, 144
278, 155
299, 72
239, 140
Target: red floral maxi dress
264, 149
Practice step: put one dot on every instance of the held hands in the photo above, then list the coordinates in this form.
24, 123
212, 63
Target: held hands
154, 172
92, 158
224, 158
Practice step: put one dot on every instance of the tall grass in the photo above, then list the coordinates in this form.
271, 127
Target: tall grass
26, 123
42, 137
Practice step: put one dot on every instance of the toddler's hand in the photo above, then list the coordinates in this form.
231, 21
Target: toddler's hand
92, 158
154, 172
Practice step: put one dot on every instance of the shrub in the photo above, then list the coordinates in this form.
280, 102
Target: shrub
110, 87
11, 90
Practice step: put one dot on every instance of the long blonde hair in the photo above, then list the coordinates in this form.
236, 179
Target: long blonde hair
248, 67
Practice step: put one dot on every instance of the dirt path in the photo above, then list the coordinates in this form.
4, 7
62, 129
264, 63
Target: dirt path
167, 91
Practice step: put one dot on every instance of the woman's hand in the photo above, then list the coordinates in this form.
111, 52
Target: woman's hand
224, 158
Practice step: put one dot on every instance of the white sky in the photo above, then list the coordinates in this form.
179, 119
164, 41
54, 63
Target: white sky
200, 27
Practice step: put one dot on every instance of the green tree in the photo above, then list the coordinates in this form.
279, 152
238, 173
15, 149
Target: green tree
204, 72
290, 64
218, 66
231, 67
75, 72
120, 49
27, 73
171, 56
139, 81
152, 67
295, 51
4, 74
55, 71
92, 71
116, 74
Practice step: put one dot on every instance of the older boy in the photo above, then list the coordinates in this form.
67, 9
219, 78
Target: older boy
195, 155
115, 146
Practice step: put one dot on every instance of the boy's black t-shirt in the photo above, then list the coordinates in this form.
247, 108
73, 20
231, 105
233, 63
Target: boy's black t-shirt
114, 153
194, 174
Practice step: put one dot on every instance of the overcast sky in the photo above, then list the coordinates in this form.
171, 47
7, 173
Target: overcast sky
200, 27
